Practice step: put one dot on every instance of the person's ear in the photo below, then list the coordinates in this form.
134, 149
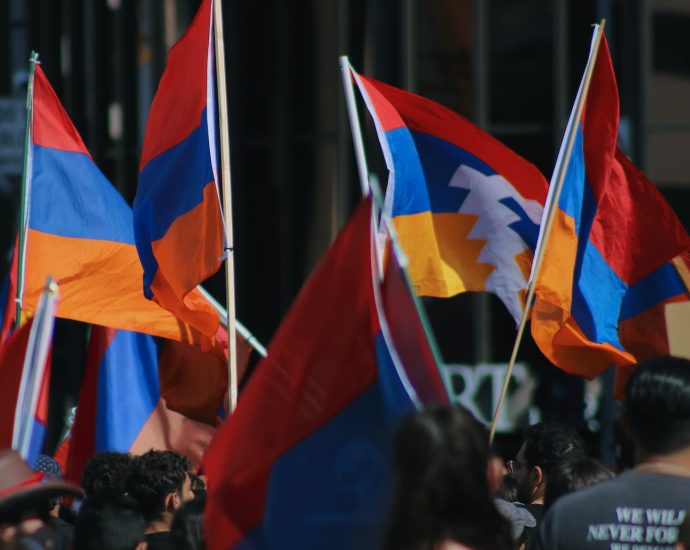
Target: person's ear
172, 501
539, 476
494, 473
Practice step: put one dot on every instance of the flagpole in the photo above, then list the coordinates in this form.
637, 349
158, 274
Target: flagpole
26, 181
355, 127
219, 44
403, 263
33, 370
549, 215
241, 329
370, 185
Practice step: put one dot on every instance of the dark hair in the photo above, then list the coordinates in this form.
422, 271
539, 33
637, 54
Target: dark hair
109, 523
657, 404
105, 474
154, 475
442, 489
549, 443
187, 531
572, 475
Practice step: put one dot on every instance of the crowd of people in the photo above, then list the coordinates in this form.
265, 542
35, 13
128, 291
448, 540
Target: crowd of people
124, 503
452, 492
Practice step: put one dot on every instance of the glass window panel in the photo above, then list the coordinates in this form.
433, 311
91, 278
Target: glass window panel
520, 61
667, 157
445, 48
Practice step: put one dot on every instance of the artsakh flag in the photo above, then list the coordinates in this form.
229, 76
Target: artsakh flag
141, 392
80, 232
465, 207
606, 266
178, 222
304, 462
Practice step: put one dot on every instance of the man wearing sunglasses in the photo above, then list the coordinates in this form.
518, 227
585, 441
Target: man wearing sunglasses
545, 446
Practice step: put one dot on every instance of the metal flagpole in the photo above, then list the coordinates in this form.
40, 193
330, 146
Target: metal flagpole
370, 186
26, 190
362, 168
33, 370
243, 331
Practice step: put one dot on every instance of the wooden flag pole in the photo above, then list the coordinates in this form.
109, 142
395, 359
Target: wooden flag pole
26, 191
549, 215
224, 128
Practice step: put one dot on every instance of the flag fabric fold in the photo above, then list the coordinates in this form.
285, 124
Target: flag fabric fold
304, 460
80, 232
606, 266
466, 208
178, 222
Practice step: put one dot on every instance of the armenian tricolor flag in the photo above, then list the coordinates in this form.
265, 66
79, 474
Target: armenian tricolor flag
606, 265
178, 223
79, 230
305, 459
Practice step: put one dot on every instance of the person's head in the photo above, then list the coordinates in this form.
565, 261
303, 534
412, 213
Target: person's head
657, 406
109, 523
26, 497
105, 474
159, 481
572, 475
546, 445
187, 532
444, 480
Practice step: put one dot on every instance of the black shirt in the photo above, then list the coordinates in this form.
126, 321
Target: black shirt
634, 511
158, 541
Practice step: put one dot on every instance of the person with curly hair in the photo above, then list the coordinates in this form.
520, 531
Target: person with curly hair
160, 482
105, 474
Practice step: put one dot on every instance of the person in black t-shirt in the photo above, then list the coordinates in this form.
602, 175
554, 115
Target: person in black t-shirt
159, 481
546, 445
643, 508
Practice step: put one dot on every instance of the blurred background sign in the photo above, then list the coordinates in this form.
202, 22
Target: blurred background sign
478, 387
